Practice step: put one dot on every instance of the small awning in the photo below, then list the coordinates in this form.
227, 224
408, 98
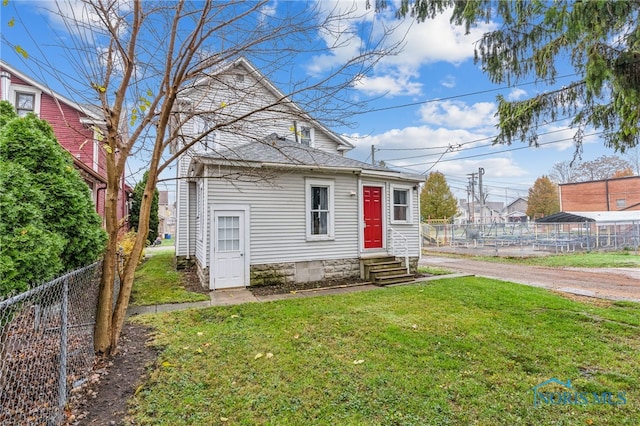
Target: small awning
564, 217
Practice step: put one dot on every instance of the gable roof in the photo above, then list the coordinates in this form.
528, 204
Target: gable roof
89, 111
343, 144
281, 153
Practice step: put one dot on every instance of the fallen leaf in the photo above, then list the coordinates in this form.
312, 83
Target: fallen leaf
293, 292
167, 364
269, 355
296, 336
358, 361
206, 345
200, 333
199, 351
258, 355
224, 419
235, 316
185, 348
414, 326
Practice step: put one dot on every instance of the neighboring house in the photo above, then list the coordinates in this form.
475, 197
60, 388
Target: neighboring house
281, 203
473, 212
76, 127
614, 194
516, 211
166, 216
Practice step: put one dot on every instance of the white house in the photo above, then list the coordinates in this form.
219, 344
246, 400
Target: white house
272, 198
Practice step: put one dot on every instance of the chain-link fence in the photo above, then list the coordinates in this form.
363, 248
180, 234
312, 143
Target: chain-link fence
46, 346
531, 237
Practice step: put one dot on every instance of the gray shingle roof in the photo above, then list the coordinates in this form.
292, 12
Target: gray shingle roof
278, 151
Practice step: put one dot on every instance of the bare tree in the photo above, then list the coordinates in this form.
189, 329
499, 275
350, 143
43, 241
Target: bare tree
140, 60
633, 155
603, 167
564, 172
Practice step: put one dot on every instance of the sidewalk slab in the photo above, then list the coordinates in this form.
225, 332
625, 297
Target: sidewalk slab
233, 296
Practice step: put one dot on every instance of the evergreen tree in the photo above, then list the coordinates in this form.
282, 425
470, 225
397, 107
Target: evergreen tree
134, 214
48, 222
599, 40
543, 198
436, 199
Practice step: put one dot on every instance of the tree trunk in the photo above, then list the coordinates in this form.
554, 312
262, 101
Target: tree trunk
102, 331
126, 284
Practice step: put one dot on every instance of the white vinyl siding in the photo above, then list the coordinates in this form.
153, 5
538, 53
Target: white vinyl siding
182, 210
278, 217
252, 97
411, 228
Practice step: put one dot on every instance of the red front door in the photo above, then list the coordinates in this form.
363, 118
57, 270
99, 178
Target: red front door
372, 197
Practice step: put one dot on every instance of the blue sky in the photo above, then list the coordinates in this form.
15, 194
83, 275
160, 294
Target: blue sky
433, 108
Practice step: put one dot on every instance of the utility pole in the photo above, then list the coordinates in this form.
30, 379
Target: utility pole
472, 185
480, 173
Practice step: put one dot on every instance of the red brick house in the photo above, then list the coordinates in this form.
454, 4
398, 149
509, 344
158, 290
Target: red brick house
614, 194
75, 126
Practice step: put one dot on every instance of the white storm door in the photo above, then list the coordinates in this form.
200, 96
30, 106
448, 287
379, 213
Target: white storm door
228, 252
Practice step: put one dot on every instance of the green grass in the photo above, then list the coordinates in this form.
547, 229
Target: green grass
157, 282
577, 260
451, 352
433, 271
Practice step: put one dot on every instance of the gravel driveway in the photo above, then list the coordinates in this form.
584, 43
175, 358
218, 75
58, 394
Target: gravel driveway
605, 283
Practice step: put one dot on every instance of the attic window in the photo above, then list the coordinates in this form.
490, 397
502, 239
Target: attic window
239, 78
25, 103
305, 135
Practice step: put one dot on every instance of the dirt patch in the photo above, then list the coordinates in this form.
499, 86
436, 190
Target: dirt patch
189, 279
267, 290
102, 401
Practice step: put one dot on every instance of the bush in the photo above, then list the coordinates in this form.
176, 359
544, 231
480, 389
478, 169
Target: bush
48, 223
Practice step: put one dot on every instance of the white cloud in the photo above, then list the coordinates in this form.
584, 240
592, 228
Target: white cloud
435, 40
449, 81
516, 94
459, 114
390, 85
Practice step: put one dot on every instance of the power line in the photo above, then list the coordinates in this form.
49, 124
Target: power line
480, 92
493, 153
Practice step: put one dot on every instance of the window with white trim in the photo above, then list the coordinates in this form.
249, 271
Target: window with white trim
25, 103
401, 205
319, 209
26, 99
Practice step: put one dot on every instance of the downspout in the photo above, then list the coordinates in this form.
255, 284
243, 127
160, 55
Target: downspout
606, 191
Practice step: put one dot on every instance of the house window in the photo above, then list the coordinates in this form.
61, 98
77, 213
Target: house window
25, 103
320, 211
305, 135
621, 202
401, 203
203, 127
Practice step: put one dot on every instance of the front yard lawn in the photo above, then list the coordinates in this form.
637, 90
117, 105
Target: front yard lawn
450, 352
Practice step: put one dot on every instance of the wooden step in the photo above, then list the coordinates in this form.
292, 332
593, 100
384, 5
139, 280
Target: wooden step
393, 279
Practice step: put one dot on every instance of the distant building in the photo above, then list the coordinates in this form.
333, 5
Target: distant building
166, 216
516, 211
616, 194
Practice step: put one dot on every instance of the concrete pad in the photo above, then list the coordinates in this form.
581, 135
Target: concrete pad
232, 296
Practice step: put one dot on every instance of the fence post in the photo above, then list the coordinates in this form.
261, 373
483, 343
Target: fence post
62, 384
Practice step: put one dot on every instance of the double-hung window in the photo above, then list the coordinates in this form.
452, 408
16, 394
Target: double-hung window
401, 204
319, 209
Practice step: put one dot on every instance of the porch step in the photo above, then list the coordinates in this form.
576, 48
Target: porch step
385, 270
393, 279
